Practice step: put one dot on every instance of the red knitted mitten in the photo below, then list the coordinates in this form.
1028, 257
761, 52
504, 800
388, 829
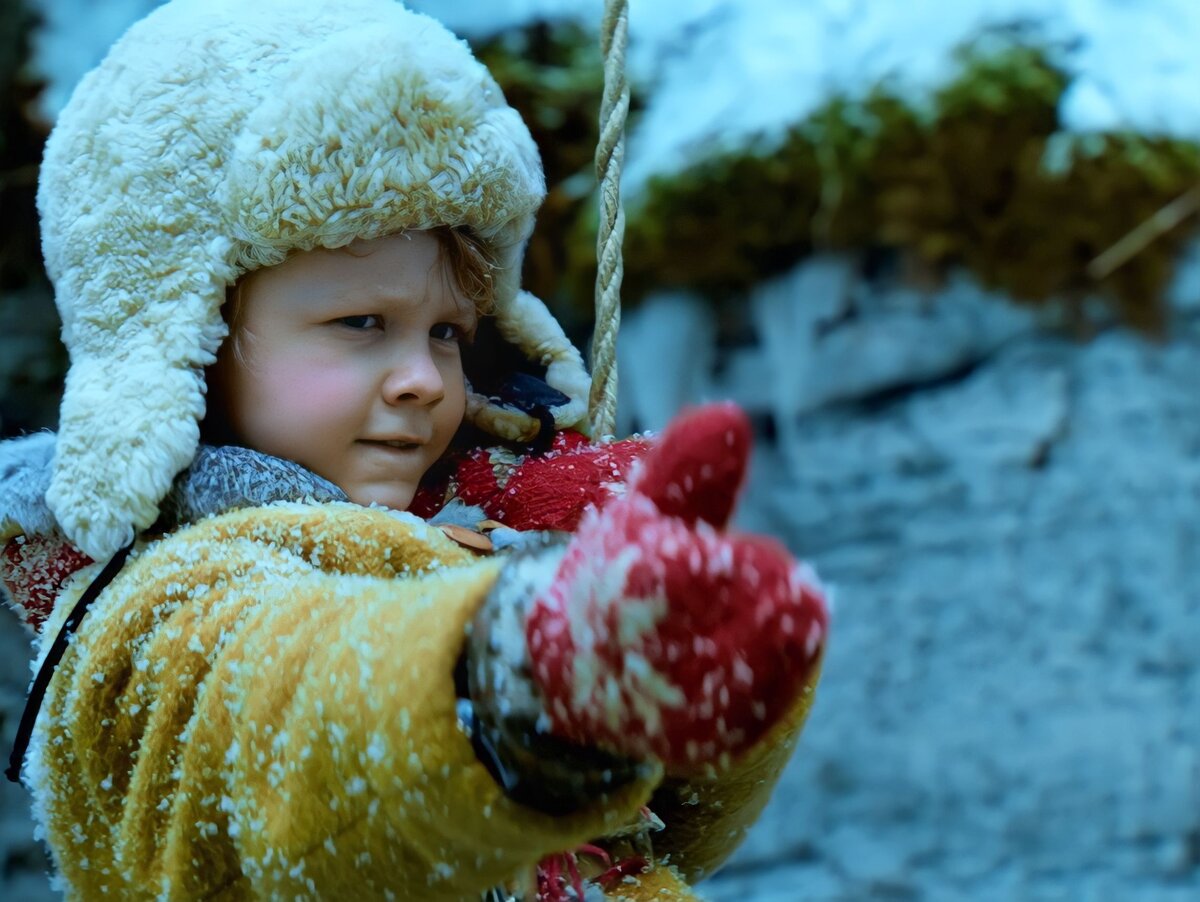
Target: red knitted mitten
33, 570
662, 636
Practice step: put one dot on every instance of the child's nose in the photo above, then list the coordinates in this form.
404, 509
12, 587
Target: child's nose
414, 377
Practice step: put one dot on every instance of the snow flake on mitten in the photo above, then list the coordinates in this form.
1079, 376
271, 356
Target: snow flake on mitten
34, 570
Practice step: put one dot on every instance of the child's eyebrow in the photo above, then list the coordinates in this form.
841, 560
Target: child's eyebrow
461, 311
368, 297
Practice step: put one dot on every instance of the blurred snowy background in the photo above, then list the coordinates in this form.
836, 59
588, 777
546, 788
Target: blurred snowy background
1003, 493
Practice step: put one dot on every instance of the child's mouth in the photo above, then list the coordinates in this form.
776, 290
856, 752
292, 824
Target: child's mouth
392, 444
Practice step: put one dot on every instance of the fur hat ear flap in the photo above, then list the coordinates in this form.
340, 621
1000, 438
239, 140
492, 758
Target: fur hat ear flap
135, 393
108, 482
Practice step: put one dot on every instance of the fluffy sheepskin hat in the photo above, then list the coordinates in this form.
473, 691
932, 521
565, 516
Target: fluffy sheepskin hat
215, 138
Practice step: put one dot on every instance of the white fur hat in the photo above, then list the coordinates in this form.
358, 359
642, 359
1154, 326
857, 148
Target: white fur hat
217, 136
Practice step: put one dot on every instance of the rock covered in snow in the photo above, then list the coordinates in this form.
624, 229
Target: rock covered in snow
1008, 706
823, 336
669, 343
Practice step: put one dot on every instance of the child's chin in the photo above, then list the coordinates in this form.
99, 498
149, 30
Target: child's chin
395, 497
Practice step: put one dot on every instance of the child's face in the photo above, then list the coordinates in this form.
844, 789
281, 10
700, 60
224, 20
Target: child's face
350, 364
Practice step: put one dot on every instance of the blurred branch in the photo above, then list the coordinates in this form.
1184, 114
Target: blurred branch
1136, 241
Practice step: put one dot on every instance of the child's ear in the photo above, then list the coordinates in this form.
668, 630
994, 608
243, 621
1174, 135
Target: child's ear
215, 427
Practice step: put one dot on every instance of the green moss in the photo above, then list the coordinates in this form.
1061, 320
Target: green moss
995, 188
979, 177
552, 74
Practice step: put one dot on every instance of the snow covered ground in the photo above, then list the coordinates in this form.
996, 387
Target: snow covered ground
1010, 707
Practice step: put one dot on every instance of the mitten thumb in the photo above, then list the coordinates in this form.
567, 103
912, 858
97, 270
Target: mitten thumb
698, 465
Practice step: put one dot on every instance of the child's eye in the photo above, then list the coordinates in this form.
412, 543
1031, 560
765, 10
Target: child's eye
362, 321
446, 332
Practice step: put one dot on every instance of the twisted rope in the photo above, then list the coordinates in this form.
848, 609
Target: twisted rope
610, 154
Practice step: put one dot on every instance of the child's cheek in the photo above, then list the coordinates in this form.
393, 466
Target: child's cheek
310, 391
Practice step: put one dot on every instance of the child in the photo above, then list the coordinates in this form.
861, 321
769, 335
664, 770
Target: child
280, 699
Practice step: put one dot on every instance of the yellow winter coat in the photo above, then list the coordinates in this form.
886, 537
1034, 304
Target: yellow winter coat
263, 706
